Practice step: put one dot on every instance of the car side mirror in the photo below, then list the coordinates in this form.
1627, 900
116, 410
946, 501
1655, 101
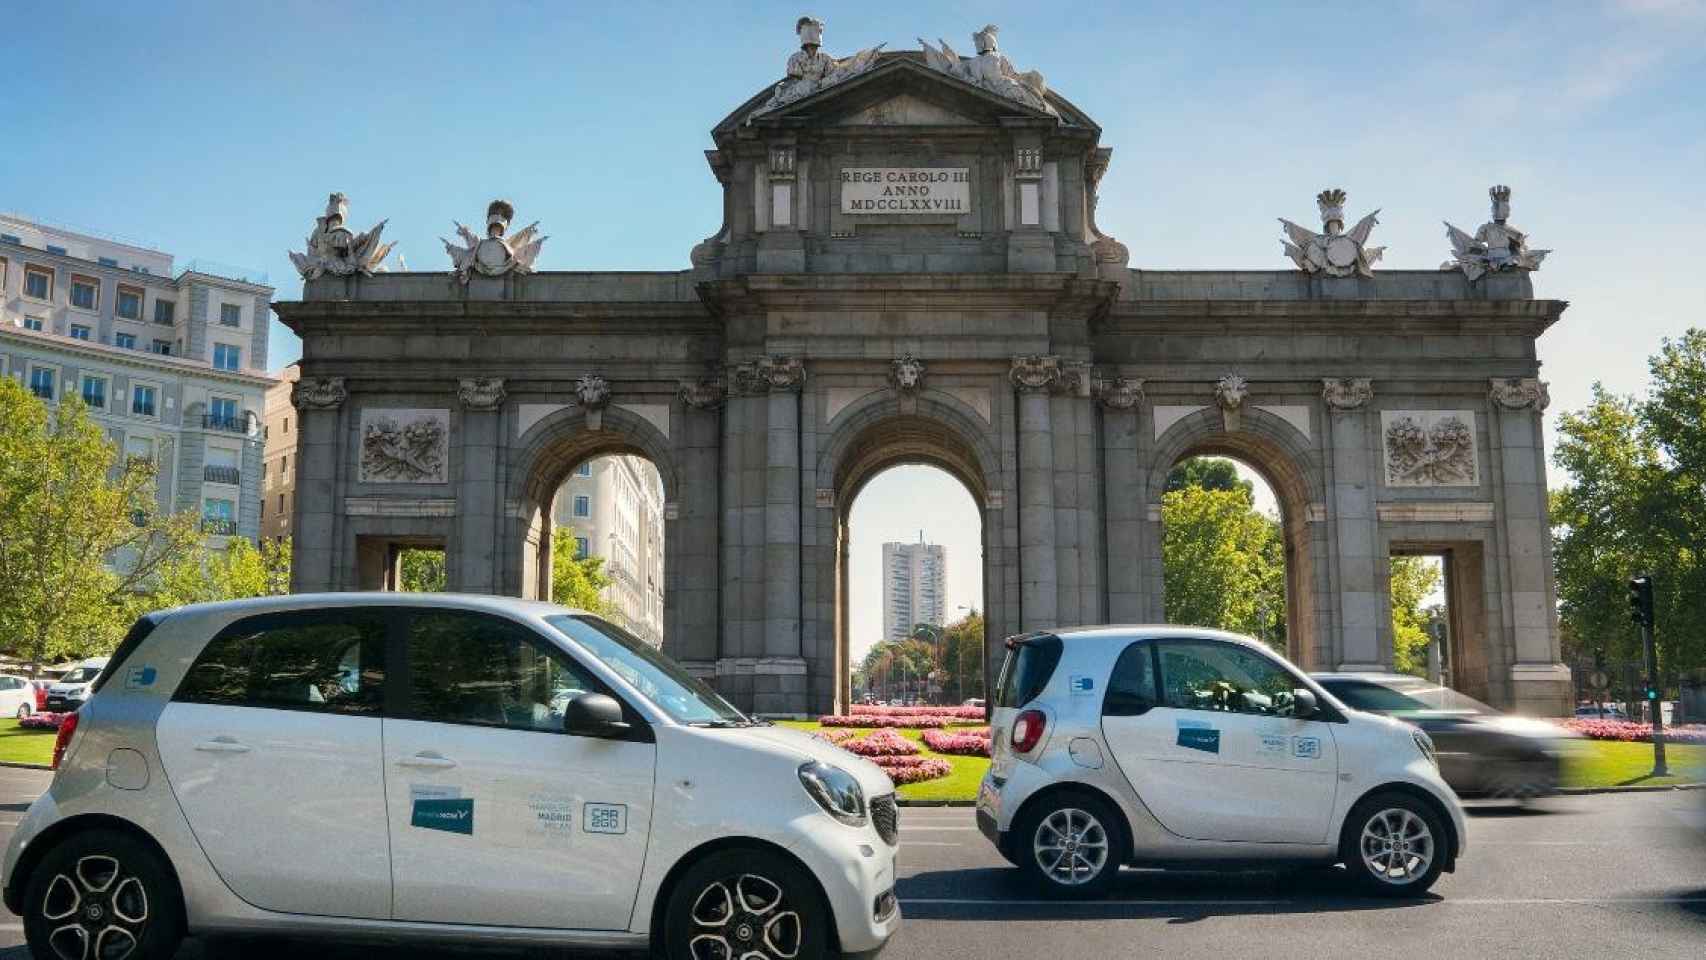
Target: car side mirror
595, 715
1303, 704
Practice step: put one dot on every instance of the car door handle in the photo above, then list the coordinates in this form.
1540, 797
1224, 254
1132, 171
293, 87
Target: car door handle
430, 761
222, 745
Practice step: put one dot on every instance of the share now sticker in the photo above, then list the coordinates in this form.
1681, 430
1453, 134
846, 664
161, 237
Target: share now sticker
1081, 685
449, 815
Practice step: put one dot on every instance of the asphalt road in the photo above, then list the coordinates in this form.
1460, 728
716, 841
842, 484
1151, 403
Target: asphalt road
1609, 875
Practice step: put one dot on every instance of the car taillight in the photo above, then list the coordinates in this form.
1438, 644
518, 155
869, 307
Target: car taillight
1028, 730
67, 728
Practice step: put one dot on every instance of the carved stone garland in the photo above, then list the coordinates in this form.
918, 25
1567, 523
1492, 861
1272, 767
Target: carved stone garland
481, 393
765, 374
1118, 393
703, 394
1518, 393
1347, 393
318, 393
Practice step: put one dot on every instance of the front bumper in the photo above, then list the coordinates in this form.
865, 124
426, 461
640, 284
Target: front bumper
857, 871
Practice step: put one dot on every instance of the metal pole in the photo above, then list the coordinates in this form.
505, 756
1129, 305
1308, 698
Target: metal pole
1655, 701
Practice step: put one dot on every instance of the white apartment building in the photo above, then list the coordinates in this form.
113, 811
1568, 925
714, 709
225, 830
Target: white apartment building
612, 507
172, 364
914, 581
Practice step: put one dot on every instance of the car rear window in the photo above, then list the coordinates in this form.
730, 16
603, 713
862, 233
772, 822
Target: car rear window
321, 661
1030, 664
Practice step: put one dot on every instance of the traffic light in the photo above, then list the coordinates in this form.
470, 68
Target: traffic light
1641, 600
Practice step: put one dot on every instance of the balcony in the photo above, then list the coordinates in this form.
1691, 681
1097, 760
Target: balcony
219, 526
213, 421
217, 474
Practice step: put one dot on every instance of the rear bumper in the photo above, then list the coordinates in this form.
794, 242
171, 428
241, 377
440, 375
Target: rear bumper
986, 825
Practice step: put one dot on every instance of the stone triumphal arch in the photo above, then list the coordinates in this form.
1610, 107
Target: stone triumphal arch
909, 270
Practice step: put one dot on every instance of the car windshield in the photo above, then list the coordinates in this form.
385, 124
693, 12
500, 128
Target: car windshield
81, 675
1403, 696
686, 698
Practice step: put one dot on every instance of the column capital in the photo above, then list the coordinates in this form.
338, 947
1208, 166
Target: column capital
318, 393
1347, 393
1047, 373
767, 374
1519, 393
481, 393
705, 393
1118, 393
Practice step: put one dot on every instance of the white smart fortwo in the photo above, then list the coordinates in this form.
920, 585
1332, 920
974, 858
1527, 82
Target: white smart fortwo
445, 768
1164, 746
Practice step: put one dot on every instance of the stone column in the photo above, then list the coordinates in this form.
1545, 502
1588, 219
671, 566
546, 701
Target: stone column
319, 403
471, 561
1361, 631
1032, 378
1540, 682
1123, 506
782, 509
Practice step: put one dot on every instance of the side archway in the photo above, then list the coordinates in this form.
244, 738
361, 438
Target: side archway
1284, 457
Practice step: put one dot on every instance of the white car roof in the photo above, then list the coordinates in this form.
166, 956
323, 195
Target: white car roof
374, 598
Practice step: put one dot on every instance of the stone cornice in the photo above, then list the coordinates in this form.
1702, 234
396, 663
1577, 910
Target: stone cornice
1057, 293
1290, 317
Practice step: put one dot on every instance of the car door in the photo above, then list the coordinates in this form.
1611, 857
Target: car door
1203, 731
271, 746
497, 816
14, 693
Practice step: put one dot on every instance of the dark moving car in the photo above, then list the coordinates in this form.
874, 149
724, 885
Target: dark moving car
1482, 752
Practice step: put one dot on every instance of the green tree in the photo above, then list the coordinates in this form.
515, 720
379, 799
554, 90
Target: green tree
963, 651
240, 570
1208, 473
1413, 579
1224, 563
422, 570
80, 532
579, 582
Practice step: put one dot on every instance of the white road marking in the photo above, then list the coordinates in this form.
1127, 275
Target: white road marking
932, 843
939, 829
1446, 901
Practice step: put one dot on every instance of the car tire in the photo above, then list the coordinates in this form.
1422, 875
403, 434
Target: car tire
96, 890
1069, 844
23, 711
744, 897
1393, 845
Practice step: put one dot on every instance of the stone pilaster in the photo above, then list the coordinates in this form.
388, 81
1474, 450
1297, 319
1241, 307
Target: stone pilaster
1361, 630
1119, 399
319, 402
1039, 602
473, 567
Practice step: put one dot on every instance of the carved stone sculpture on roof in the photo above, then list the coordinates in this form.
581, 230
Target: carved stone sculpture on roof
810, 69
495, 254
1107, 250
990, 69
1334, 252
1497, 246
335, 249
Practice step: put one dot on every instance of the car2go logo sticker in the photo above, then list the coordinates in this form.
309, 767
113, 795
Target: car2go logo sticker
1306, 748
448, 814
605, 818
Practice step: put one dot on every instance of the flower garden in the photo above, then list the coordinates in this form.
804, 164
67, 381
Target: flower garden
931, 753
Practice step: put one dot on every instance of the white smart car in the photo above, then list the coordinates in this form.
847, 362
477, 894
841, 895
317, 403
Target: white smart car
69, 691
443, 768
1161, 746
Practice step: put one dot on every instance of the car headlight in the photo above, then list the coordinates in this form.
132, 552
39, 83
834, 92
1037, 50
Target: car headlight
836, 791
1425, 744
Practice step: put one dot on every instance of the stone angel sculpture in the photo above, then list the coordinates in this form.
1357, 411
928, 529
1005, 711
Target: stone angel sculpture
810, 69
990, 69
1496, 246
1335, 252
495, 254
333, 248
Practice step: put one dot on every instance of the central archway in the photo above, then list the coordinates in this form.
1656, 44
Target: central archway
884, 431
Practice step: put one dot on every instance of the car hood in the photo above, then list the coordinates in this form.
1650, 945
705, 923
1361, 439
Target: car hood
806, 747
67, 688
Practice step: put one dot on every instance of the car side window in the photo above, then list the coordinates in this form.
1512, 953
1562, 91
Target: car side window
471, 668
1225, 678
1131, 687
326, 662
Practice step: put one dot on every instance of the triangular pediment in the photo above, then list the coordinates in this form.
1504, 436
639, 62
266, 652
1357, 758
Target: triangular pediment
901, 90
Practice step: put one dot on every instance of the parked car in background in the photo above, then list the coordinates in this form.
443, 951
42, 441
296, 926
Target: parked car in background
441, 769
1482, 752
68, 692
1606, 711
1168, 746
17, 696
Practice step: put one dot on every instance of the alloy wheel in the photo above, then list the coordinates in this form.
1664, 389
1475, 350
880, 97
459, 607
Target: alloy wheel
1071, 847
745, 917
96, 911
1397, 846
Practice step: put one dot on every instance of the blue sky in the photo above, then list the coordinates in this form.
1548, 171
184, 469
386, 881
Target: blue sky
216, 130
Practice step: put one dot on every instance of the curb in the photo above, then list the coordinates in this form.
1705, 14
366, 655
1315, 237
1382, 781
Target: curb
26, 766
1635, 788
904, 802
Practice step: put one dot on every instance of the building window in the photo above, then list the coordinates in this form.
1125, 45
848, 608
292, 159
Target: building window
226, 357
128, 306
85, 292
230, 315
106, 261
56, 250
95, 392
142, 399
139, 448
162, 347
79, 332
38, 283
9, 238
281, 503
219, 515
163, 310
286, 424
139, 268
125, 340
44, 382
584, 470
583, 506
33, 323
581, 548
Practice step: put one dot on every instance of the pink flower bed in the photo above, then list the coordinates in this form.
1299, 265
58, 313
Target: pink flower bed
879, 720
1630, 731
969, 743
836, 737
42, 721
913, 769
881, 743
958, 713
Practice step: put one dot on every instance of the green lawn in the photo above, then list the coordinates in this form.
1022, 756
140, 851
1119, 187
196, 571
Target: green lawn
24, 746
961, 784
1608, 763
